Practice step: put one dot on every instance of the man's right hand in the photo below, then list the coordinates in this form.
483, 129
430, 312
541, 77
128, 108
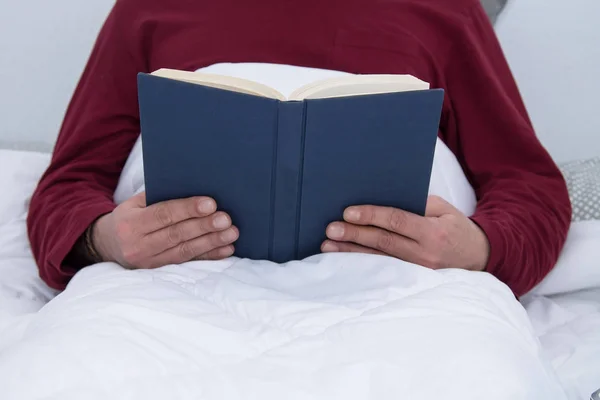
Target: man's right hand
171, 232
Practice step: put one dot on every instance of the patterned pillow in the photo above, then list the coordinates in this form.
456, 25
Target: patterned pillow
583, 181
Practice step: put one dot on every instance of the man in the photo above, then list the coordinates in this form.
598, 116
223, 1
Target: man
523, 209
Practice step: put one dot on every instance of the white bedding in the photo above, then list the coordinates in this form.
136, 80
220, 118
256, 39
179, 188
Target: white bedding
334, 326
21, 291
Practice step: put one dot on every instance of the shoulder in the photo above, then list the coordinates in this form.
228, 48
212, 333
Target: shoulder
453, 9
134, 9
436, 16
434, 26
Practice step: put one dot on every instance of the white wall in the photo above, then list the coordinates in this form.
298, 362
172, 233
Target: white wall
553, 47
43, 48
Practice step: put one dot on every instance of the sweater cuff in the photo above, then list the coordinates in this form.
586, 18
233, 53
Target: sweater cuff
496, 261
59, 273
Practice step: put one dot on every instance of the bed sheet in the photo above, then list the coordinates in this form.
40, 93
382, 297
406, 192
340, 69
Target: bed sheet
567, 325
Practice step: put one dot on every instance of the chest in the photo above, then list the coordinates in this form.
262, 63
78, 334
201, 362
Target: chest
326, 39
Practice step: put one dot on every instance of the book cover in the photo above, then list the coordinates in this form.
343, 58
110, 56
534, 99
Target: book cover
283, 170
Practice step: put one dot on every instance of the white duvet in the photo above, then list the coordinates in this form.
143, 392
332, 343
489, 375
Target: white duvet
332, 326
328, 327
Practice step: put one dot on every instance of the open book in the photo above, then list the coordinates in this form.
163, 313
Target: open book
350, 85
285, 163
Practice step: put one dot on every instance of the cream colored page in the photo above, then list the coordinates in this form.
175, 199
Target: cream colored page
222, 82
359, 85
283, 78
291, 82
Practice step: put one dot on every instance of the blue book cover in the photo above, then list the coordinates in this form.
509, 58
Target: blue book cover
283, 169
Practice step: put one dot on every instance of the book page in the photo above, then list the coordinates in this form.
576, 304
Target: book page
359, 85
287, 82
283, 78
221, 82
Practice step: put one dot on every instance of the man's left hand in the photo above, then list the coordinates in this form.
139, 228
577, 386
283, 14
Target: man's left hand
443, 238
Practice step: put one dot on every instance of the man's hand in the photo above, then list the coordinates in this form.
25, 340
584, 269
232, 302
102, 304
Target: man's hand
170, 232
444, 238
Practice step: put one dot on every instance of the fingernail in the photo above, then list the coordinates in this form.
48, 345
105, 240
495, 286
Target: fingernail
221, 222
335, 231
206, 206
352, 214
229, 235
330, 247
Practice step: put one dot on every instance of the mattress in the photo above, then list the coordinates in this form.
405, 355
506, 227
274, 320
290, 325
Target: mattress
327, 327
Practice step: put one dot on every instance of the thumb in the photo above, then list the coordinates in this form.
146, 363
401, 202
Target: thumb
436, 207
137, 201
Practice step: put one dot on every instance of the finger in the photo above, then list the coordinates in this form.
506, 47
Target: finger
166, 238
375, 238
330, 246
217, 254
437, 206
137, 201
194, 248
167, 213
391, 219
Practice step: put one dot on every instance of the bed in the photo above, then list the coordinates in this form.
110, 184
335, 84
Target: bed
332, 326
242, 329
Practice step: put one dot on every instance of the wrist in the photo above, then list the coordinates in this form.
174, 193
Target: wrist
97, 242
483, 244
83, 252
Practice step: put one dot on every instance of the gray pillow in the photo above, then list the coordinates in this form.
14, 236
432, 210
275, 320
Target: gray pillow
583, 181
493, 8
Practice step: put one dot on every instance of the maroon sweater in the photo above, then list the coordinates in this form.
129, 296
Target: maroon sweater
523, 205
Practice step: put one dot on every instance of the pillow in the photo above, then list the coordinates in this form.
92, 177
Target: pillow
493, 8
577, 266
583, 181
21, 289
29, 146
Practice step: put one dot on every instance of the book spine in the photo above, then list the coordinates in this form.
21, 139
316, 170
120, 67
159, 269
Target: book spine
300, 181
287, 181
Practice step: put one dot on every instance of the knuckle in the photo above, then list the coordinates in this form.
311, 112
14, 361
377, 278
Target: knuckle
369, 215
185, 251
351, 233
219, 239
397, 220
174, 235
385, 241
204, 226
163, 214
344, 247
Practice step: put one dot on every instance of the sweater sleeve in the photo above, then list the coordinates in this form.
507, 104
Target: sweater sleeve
523, 203
99, 129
